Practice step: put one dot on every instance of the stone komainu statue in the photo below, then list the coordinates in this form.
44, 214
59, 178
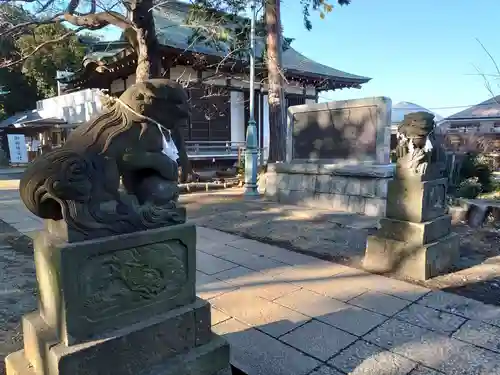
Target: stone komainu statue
79, 183
417, 150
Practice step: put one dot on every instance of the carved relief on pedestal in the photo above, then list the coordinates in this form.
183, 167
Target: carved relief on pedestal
124, 280
436, 197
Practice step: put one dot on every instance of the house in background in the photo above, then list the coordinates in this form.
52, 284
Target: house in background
475, 129
481, 118
399, 111
217, 83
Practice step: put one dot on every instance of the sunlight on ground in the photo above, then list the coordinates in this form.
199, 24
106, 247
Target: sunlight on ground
9, 184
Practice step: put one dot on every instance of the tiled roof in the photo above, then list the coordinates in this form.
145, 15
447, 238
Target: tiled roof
488, 109
172, 31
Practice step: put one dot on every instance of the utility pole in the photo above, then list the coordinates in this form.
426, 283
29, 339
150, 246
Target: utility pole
251, 136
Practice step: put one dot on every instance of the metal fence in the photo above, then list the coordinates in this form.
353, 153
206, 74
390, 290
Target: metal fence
221, 150
213, 149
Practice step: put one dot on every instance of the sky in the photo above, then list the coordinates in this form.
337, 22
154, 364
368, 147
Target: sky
420, 51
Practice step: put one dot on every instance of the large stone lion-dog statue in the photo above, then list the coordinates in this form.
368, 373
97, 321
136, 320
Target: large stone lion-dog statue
78, 184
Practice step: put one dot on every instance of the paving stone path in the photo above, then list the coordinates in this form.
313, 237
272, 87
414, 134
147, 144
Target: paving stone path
289, 313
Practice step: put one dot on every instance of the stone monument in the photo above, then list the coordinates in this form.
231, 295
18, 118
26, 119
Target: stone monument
415, 239
116, 268
337, 157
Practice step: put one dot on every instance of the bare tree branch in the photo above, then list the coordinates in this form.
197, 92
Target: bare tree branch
487, 82
490, 56
99, 20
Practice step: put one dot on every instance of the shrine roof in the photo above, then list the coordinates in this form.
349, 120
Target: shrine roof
172, 31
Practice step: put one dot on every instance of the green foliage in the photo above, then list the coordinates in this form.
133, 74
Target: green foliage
469, 188
65, 54
494, 193
223, 25
475, 177
22, 93
18, 91
322, 6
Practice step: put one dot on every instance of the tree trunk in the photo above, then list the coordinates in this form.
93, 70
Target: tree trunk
277, 129
147, 47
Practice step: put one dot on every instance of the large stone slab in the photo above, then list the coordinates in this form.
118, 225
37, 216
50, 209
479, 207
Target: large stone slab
91, 287
418, 262
356, 187
356, 129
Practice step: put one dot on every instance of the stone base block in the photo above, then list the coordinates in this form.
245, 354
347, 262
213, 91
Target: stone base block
415, 234
418, 262
356, 188
415, 200
145, 345
208, 359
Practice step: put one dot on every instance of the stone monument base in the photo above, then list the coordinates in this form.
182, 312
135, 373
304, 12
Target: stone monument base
356, 188
122, 305
384, 255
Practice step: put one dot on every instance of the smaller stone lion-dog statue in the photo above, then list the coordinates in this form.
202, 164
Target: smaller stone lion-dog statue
417, 152
77, 186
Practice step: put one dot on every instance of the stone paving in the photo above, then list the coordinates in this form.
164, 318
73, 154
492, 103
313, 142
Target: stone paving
13, 211
288, 313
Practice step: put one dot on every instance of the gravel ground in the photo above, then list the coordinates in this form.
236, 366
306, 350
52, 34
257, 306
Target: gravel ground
17, 297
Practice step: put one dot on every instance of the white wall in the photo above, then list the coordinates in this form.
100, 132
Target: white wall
237, 116
74, 108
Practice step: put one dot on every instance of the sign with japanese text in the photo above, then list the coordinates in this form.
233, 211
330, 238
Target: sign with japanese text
17, 148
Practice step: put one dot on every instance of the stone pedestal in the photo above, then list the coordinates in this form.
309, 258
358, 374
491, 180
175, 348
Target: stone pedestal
356, 188
120, 305
415, 239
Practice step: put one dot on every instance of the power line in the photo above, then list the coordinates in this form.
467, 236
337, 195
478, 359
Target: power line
450, 107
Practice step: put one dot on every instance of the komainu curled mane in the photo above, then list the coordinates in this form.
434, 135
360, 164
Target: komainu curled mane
79, 183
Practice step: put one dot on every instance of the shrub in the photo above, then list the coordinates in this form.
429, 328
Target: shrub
469, 188
475, 177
